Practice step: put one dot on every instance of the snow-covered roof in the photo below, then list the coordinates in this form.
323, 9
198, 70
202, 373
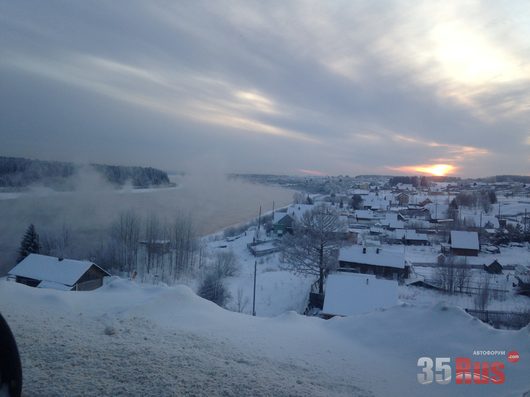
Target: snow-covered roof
371, 256
365, 214
464, 240
54, 285
278, 216
409, 234
352, 293
51, 269
298, 210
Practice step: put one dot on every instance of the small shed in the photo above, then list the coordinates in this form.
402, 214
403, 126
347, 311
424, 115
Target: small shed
494, 267
464, 243
44, 271
351, 293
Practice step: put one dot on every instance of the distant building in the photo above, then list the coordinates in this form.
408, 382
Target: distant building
403, 198
464, 243
351, 293
408, 237
43, 271
373, 260
284, 219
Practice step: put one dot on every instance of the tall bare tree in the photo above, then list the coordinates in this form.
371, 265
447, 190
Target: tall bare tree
125, 234
184, 244
313, 247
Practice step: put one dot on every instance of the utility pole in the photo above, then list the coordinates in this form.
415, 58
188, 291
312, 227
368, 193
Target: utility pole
525, 221
255, 268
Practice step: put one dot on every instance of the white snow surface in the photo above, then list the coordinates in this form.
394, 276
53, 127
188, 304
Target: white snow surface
464, 240
128, 339
372, 256
351, 293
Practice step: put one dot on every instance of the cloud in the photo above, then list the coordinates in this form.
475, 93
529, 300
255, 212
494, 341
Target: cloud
340, 87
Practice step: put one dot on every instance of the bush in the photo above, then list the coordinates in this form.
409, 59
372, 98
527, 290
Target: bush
213, 289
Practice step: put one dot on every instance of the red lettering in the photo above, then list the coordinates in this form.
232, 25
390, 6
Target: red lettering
481, 373
497, 372
463, 370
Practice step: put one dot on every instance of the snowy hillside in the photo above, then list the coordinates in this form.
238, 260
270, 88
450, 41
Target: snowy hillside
127, 339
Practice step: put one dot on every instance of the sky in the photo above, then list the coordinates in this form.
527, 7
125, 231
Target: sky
291, 87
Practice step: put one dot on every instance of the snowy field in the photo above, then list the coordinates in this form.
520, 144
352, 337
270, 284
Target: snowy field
277, 290
129, 339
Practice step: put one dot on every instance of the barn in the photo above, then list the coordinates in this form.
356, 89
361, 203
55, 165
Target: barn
44, 271
351, 293
369, 260
464, 243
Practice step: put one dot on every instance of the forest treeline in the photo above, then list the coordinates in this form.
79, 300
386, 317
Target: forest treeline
17, 172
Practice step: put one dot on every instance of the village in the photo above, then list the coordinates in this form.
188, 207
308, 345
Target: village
465, 244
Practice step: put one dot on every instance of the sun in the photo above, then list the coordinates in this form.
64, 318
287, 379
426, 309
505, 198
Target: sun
436, 169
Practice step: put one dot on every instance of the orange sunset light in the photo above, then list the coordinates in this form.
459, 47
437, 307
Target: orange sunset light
435, 169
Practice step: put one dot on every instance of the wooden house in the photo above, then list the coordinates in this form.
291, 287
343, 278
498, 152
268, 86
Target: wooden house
43, 271
373, 260
464, 243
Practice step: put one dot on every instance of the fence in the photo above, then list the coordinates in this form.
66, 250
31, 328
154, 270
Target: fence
498, 319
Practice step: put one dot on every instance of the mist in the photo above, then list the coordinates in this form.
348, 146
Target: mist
211, 200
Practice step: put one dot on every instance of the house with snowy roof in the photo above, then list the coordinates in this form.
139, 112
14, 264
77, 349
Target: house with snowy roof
283, 220
351, 293
464, 243
373, 260
44, 271
408, 237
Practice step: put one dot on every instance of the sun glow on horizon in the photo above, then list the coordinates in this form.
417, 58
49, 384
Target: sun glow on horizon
431, 169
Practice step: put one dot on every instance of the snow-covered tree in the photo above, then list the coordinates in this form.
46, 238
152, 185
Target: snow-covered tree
30, 243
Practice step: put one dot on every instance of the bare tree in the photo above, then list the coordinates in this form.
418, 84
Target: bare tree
185, 246
57, 242
313, 247
125, 233
241, 301
451, 275
463, 277
483, 296
226, 264
214, 289
154, 234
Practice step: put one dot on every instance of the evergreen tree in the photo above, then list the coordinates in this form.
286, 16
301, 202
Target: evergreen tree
30, 243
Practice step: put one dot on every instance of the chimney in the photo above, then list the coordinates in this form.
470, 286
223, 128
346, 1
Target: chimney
364, 250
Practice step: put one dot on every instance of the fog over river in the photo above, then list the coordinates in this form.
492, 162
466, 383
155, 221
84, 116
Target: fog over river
213, 202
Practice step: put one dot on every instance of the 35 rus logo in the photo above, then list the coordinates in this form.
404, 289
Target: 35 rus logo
466, 371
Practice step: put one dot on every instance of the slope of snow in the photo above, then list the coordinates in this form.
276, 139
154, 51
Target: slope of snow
127, 339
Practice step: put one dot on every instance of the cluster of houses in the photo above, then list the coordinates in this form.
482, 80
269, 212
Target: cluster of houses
371, 263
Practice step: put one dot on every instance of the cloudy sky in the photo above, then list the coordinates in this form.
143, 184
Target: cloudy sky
330, 87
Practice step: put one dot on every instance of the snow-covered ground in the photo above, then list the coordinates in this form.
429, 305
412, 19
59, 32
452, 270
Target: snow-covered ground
277, 290
129, 339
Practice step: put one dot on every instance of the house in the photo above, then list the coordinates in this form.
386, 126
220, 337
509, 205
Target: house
283, 220
403, 198
408, 237
464, 243
352, 293
494, 267
373, 260
43, 271
282, 223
